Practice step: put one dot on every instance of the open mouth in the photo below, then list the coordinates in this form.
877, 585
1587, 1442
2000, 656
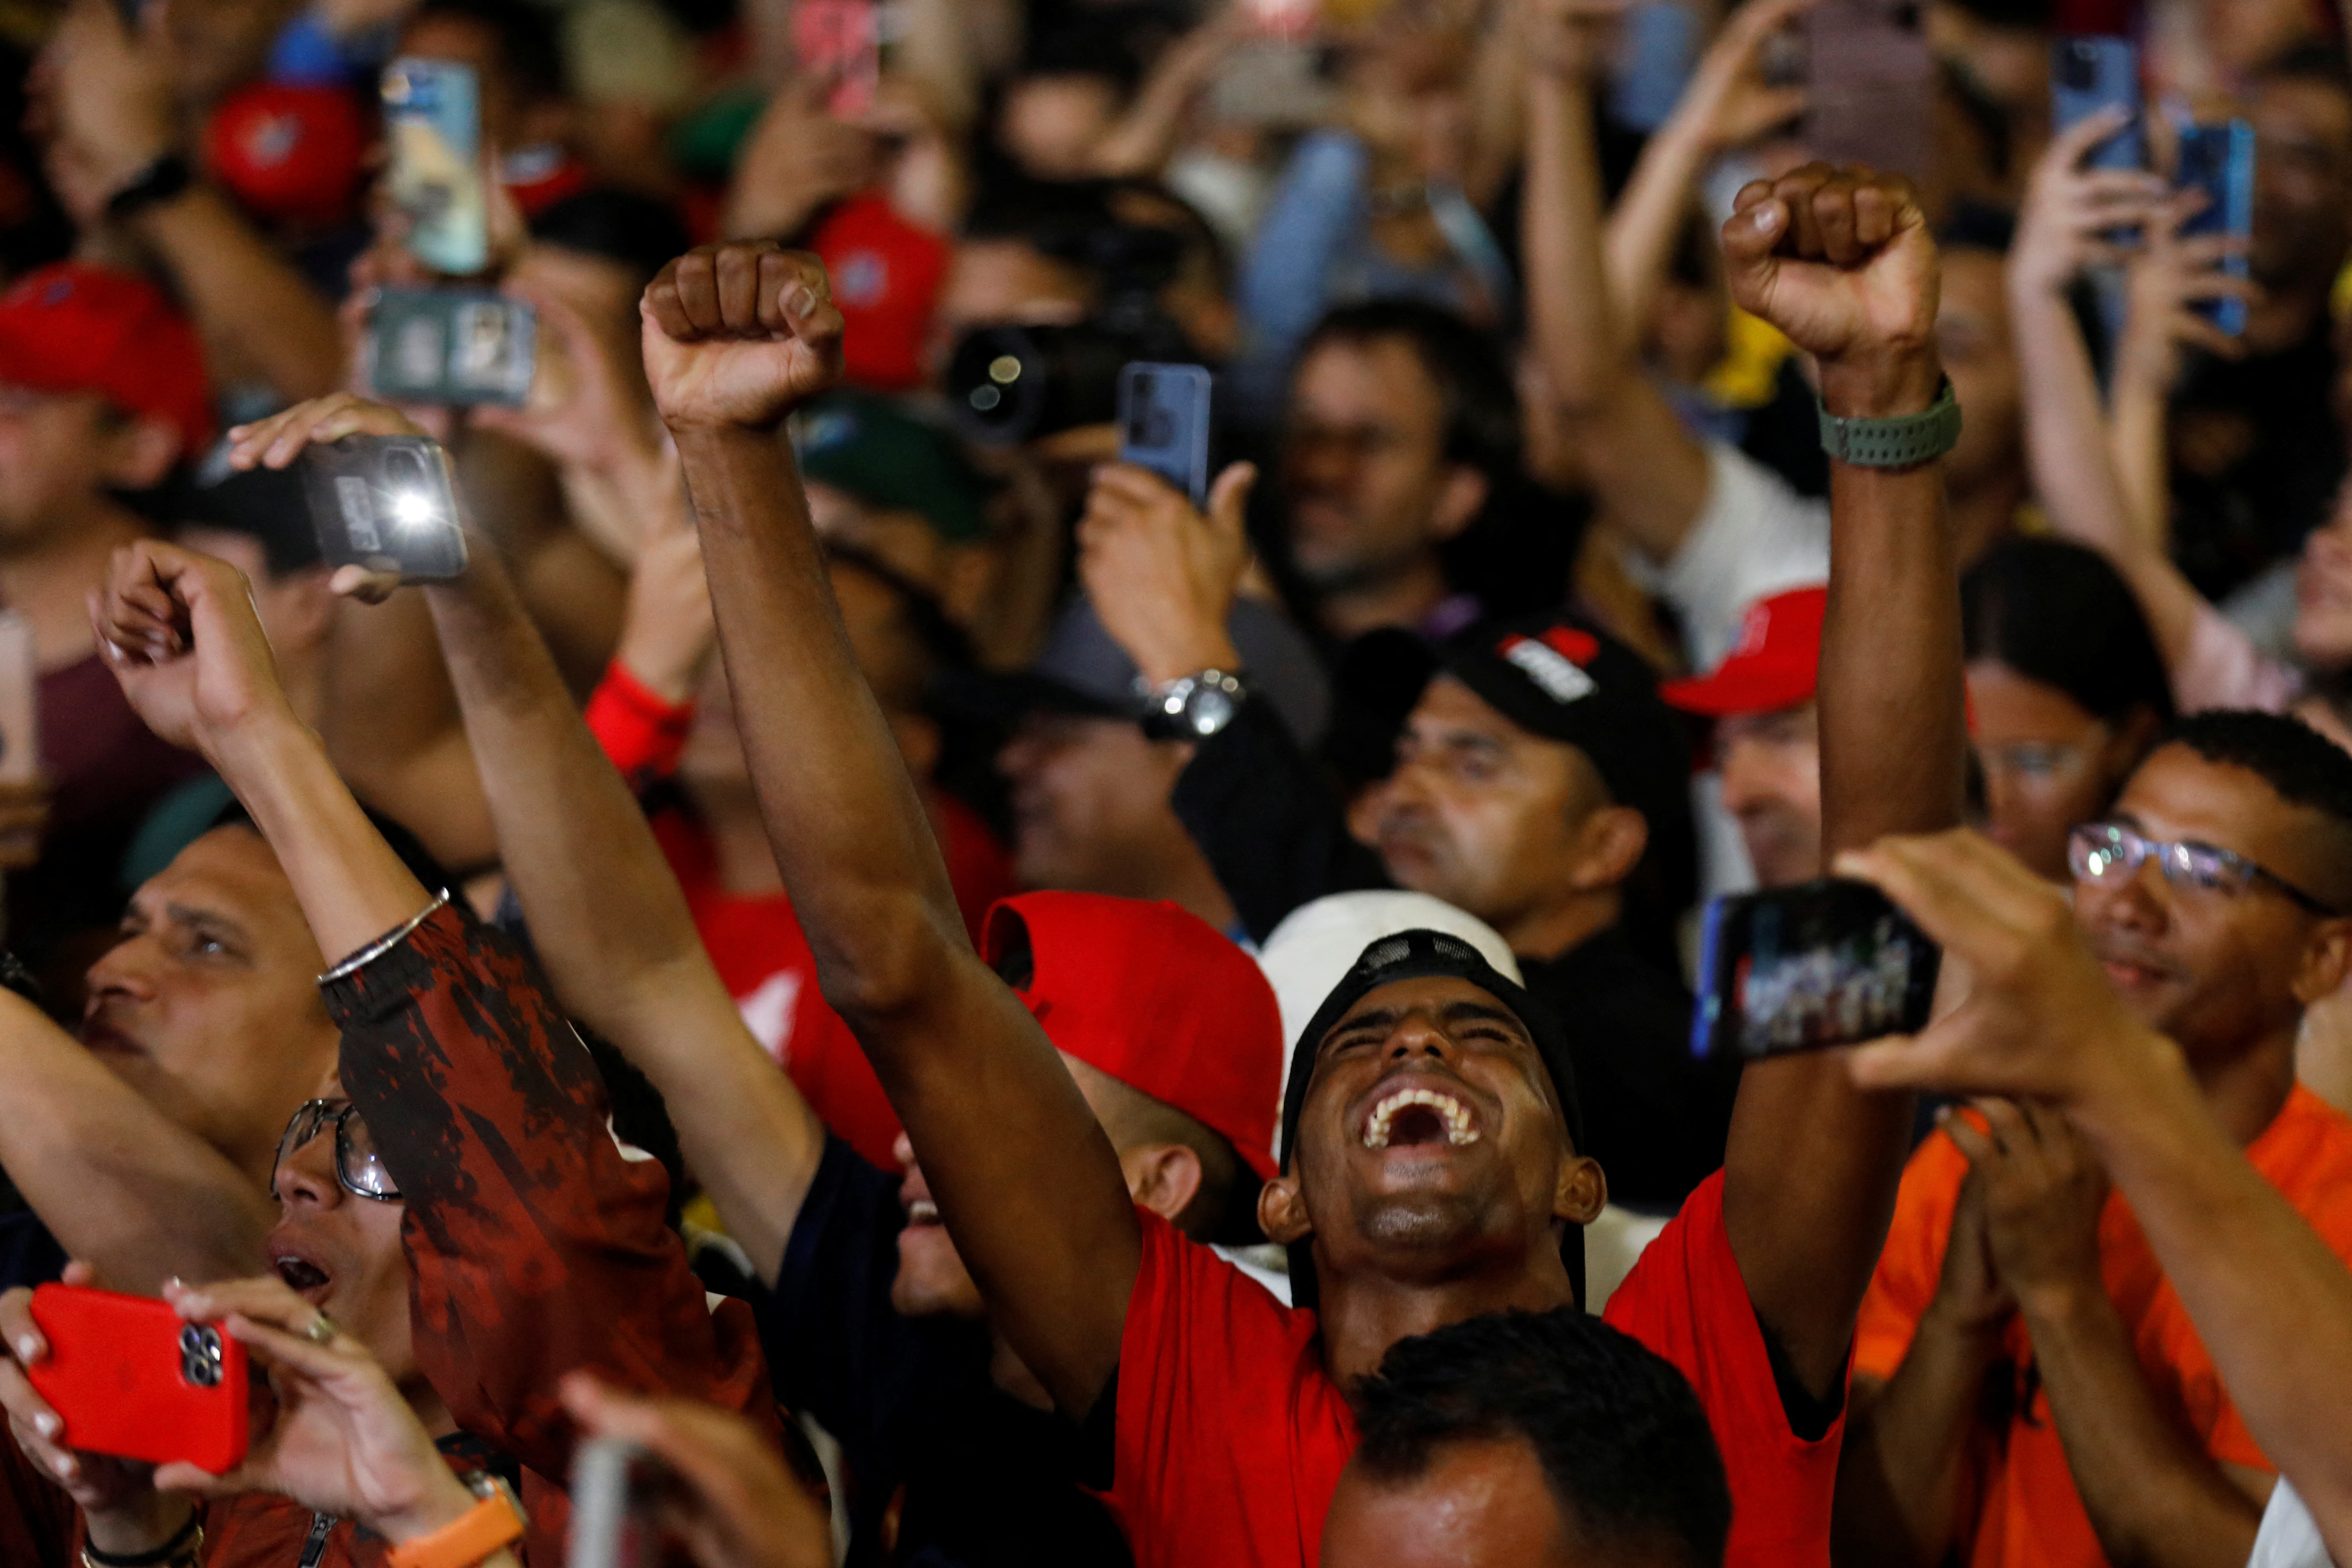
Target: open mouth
303, 1276
1411, 1117
922, 1211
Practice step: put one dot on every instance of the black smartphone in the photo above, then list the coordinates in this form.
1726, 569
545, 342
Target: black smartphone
385, 502
2088, 75
451, 347
1869, 85
1164, 424
2219, 160
1829, 962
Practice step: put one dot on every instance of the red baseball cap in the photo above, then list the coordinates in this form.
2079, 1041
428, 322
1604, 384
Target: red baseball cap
1156, 998
1776, 663
886, 275
287, 152
74, 327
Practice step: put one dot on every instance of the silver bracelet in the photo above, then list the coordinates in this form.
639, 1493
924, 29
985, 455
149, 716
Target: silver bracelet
384, 943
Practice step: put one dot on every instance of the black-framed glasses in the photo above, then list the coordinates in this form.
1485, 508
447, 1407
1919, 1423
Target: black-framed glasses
358, 1167
2110, 852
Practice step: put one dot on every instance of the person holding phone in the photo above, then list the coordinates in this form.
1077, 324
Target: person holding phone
1402, 1215
519, 1272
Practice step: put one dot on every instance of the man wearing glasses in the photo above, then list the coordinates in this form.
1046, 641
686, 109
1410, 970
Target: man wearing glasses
2028, 1388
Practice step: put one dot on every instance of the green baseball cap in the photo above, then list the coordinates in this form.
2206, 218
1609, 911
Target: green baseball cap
868, 447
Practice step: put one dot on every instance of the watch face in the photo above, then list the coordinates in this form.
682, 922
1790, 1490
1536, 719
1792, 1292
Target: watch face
1210, 710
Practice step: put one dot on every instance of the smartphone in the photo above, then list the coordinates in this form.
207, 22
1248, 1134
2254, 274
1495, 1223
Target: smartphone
451, 346
2219, 160
129, 1378
1829, 962
840, 41
432, 121
1869, 85
385, 502
1164, 424
2088, 75
1656, 53
612, 1516
20, 673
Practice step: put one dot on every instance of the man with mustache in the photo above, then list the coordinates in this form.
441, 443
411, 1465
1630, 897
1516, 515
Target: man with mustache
2215, 898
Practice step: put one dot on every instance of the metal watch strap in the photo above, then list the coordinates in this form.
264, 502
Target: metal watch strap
1194, 706
1903, 442
159, 181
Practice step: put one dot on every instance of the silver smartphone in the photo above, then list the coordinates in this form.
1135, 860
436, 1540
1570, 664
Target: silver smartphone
612, 1515
385, 502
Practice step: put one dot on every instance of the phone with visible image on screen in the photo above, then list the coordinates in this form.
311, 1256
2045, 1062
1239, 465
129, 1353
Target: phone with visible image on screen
129, 1378
20, 722
840, 42
2088, 75
451, 347
432, 126
1828, 962
2219, 160
386, 503
1869, 81
611, 1511
1164, 424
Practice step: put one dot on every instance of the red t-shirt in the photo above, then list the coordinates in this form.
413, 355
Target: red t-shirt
2020, 1509
1231, 1436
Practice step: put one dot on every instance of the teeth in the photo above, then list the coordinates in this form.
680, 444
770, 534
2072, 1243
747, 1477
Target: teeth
1459, 1129
922, 1211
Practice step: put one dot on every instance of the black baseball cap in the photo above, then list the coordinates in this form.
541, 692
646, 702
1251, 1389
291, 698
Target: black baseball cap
1415, 955
1558, 677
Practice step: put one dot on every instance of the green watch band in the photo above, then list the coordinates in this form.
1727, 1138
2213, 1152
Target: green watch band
1903, 442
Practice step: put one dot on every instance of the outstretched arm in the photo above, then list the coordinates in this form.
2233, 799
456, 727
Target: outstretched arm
2272, 1303
735, 337
1841, 262
1650, 474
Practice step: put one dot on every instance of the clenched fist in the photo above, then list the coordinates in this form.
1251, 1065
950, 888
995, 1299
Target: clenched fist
1841, 262
738, 335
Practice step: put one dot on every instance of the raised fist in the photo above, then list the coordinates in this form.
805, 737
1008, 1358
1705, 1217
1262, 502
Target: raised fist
738, 335
1840, 262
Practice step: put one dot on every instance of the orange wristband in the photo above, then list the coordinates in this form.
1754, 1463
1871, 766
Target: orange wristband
496, 1521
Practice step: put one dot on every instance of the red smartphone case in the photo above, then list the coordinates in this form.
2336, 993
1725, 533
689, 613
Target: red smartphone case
129, 1378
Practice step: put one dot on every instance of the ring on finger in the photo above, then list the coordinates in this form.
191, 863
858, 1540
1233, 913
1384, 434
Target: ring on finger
321, 1330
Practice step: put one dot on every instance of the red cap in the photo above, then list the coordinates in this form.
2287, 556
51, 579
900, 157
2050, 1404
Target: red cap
1157, 999
73, 327
1776, 663
886, 276
289, 151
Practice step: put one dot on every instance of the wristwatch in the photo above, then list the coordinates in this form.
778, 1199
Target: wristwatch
1903, 442
159, 182
497, 1522
1195, 706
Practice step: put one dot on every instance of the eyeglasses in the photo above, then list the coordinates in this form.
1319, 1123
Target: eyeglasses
2033, 761
358, 1167
2109, 852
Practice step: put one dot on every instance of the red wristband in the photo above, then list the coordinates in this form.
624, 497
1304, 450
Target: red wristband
643, 735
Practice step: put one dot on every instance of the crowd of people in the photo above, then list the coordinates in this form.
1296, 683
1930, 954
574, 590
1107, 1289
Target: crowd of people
957, 1001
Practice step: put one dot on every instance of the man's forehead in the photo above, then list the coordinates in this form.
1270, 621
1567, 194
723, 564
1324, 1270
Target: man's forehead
2177, 795
232, 866
1419, 992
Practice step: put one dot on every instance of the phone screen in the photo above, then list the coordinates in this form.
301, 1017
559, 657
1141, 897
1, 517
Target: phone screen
1869, 85
1164, 424
451, 347
2219, 160
1828, 962
385, 502
432, 121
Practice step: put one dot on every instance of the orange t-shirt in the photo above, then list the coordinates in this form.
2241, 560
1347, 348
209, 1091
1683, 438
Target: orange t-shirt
2025, 1512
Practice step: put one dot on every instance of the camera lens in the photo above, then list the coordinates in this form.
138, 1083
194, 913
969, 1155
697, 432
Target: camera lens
1008, 385
200, 1356
2080, 68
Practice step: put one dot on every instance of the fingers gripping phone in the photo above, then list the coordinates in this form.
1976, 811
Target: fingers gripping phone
432, 121
2088, 76
2217, 159
451, 347
1829, 962
386, 503
1164, 424
129, 1378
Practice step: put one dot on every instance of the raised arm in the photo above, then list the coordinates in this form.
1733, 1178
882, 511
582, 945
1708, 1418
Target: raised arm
2271, 1303
2067, 210
1844, 265
1650, 474
735, 337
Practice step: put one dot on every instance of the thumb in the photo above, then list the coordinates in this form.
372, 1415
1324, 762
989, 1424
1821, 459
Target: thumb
1748, 237
1229, 500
